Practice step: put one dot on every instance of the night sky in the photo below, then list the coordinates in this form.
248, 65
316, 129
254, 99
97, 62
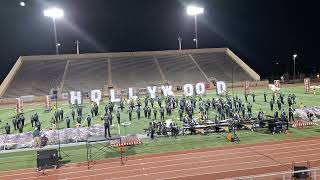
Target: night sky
261, 32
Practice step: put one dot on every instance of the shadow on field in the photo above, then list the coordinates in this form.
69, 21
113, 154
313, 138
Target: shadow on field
127, 151
63, 162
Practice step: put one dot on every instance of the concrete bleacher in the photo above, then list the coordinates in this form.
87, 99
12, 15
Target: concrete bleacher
220, 66
180, 69
85, 75
134, 71
36, 75
36, 78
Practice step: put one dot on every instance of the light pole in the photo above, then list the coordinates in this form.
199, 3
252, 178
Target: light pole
54, 13
294, 65
194, 11
180, 40
77, 43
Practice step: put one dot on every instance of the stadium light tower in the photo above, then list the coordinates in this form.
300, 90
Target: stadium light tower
194, 11
294, 65
54, 13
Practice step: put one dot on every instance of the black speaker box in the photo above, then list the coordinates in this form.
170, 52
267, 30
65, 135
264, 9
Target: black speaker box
47, 159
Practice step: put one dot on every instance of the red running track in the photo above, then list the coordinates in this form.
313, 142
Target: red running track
212, 163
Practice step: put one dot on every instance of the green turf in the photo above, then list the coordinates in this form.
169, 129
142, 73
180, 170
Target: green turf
78, 153
26, 159
6, 114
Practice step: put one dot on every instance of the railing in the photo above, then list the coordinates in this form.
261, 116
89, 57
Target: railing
280, 175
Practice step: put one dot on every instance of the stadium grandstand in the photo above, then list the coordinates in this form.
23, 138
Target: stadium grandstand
38, 75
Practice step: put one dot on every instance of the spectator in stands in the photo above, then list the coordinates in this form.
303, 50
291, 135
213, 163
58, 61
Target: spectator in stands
36, 138
7, 128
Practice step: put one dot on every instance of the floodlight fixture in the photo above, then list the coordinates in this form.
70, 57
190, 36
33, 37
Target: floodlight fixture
194, 10
22, 4
54, 13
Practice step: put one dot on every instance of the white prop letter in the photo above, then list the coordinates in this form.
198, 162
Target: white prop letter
188, 89
131, 95
200, 88
96, 96
75, 96
167, 90
113, 96
152, 91
221, 87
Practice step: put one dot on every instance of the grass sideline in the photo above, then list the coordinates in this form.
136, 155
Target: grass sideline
26, 159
